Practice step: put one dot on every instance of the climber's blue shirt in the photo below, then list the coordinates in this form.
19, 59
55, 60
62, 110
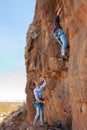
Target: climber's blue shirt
38, 92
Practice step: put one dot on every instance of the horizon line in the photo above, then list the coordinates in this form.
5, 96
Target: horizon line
12, 100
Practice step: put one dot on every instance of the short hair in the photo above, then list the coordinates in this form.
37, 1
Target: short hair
34, 83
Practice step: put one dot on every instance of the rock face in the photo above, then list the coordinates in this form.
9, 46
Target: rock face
66, 90
15, 120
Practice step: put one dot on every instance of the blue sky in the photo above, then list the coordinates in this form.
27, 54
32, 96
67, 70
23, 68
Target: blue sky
15, 18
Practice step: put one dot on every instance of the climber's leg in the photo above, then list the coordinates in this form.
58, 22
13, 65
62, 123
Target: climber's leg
61, 38
64, 47
64, 43
37, 115
42, 114
56, 35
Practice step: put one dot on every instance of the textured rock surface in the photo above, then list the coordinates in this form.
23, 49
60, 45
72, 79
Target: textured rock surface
16, 120
66, 90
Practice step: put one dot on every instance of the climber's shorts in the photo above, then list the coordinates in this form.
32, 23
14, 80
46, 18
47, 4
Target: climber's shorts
59, 34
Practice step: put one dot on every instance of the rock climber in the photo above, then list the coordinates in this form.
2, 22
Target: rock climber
39, 104
59, 34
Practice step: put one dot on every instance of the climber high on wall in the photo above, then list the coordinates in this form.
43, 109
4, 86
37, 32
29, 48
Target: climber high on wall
60, 35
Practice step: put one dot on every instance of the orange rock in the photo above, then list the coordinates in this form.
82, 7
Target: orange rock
65, 92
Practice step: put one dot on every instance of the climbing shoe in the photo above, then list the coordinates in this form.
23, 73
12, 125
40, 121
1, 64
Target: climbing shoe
42, 126
65, 57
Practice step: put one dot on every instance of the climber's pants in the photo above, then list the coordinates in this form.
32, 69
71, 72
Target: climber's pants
59, 34
39, 113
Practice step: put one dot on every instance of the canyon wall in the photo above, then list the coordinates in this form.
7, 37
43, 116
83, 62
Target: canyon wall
66, 89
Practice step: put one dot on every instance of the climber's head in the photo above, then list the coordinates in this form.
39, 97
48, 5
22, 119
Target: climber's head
36, 84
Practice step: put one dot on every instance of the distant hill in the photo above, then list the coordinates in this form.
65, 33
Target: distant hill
7, 107
14, 115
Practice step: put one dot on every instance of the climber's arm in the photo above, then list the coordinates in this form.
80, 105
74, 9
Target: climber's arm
59, 10
43, 85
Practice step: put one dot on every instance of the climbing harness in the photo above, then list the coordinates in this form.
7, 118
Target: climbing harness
58, 37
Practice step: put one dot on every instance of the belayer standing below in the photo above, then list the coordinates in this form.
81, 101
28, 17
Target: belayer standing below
39, 104
60, 35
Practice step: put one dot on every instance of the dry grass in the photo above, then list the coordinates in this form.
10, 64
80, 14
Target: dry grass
7, 107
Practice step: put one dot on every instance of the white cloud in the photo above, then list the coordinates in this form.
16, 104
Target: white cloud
12, 86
